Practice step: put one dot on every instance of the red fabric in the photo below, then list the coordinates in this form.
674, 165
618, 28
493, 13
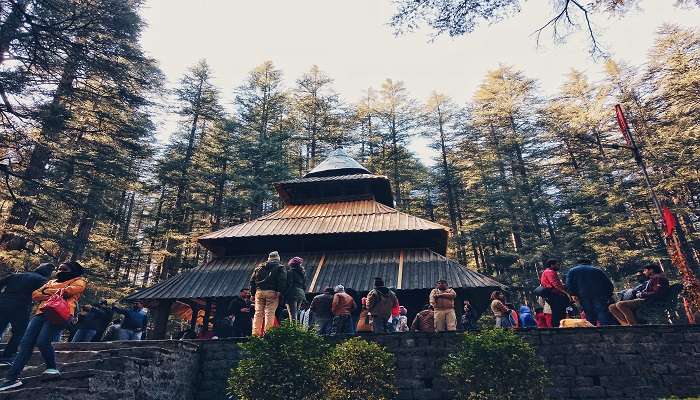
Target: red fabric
396, 310
669, 222
56, 308
550, 279
541, 320
622, 122
548, 320
516, 319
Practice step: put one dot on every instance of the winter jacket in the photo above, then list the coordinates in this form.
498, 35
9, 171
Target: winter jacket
135, 320
588, 282
321, 306
499, 309
72, 290
296, 284
380, 302
16, 289
92, 319
342, 304
424, 321
526, 319
656, 289
443, 299
269, 276
541, 320
550, 280
402, 325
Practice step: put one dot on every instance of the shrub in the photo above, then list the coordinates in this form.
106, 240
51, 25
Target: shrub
285, 364
495, 364
359, 370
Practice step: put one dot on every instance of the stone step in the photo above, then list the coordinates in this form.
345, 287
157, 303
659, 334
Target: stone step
67, 356
120, 363
52, 393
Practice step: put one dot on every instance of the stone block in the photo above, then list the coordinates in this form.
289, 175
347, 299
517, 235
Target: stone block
593, 392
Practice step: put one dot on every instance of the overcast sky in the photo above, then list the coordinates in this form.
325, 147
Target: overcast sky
351, 41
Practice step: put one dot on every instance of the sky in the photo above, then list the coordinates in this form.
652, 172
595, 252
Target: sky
353, 43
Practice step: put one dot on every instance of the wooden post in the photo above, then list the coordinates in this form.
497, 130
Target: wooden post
161, 312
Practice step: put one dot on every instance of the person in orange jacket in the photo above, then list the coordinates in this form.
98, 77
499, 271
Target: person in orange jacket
41, 330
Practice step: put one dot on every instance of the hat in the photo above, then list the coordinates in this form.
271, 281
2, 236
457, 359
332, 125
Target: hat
274, 256
441, 281
328, 290
295, 261
339, 289
378, 282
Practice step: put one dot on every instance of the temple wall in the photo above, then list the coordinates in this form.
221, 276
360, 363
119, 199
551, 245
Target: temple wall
594, 363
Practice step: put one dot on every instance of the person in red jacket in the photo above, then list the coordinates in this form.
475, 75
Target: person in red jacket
557, 296
655, 289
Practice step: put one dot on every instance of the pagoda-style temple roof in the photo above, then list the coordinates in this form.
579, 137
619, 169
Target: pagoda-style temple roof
337, 163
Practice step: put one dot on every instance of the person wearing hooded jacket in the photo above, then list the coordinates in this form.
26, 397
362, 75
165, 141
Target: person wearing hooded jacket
268, 283
16, 304
40, 330
296, 286
526, 318
380, 301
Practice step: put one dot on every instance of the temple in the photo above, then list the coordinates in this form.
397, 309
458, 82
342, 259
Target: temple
340, 219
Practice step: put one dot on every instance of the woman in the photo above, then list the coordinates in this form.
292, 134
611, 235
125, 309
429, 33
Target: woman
364, 323
41, 330
403, 320
500, 311
296, 284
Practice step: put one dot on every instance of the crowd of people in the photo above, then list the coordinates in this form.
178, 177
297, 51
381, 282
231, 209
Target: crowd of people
57, 310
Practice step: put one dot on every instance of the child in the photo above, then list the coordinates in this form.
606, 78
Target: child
540, 319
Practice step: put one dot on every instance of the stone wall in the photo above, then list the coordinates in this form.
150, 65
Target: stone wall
646, 362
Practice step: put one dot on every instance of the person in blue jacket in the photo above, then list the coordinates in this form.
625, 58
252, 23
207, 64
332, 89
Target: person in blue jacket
593, 290
526, 318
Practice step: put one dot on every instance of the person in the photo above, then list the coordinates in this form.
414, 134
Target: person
526, 318
107, 317
540, 318
241, 308
89, 320
469, 317
16, 304
402, 325
380, 302
546, 311
41, 330
305, 315
500, 311
268, 282
513, 315
655, 289
321, 311
112, 332
364, 323
424, 320
593, 290
571, 321
296, 286
342, 307
630, 294
557, 296
134, 323
442, 298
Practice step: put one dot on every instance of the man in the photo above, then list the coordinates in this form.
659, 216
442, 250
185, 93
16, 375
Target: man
557, 297
442, 298
134, 323
107, 317
89, 321
242, 310
16, 304
342, 307
268, 282
380, 302
593, 290
425, 320
322, 311
656, 289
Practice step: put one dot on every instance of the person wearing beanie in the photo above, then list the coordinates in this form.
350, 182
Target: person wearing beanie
296, 286
442, 298
321, 311
380, 301
16, 304
41, 330
268, 284
342, 307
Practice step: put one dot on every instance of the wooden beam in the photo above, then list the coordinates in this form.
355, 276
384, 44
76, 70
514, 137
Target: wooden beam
400, 278
317, 272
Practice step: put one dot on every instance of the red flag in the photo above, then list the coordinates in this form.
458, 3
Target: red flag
669, 222
622, 122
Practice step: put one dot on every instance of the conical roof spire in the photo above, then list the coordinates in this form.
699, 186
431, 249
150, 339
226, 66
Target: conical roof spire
337, 163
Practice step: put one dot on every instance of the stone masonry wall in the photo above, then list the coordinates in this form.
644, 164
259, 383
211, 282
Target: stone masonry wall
645, 362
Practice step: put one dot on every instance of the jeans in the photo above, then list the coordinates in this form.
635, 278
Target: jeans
294, 309
381, 325
84, 335
39, 333
558, 302
597, 311
266, 302
129, 334
342, 325
323, 325
18, 319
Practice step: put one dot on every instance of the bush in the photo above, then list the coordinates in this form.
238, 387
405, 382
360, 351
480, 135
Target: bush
359, 370
286, 364
495, 364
